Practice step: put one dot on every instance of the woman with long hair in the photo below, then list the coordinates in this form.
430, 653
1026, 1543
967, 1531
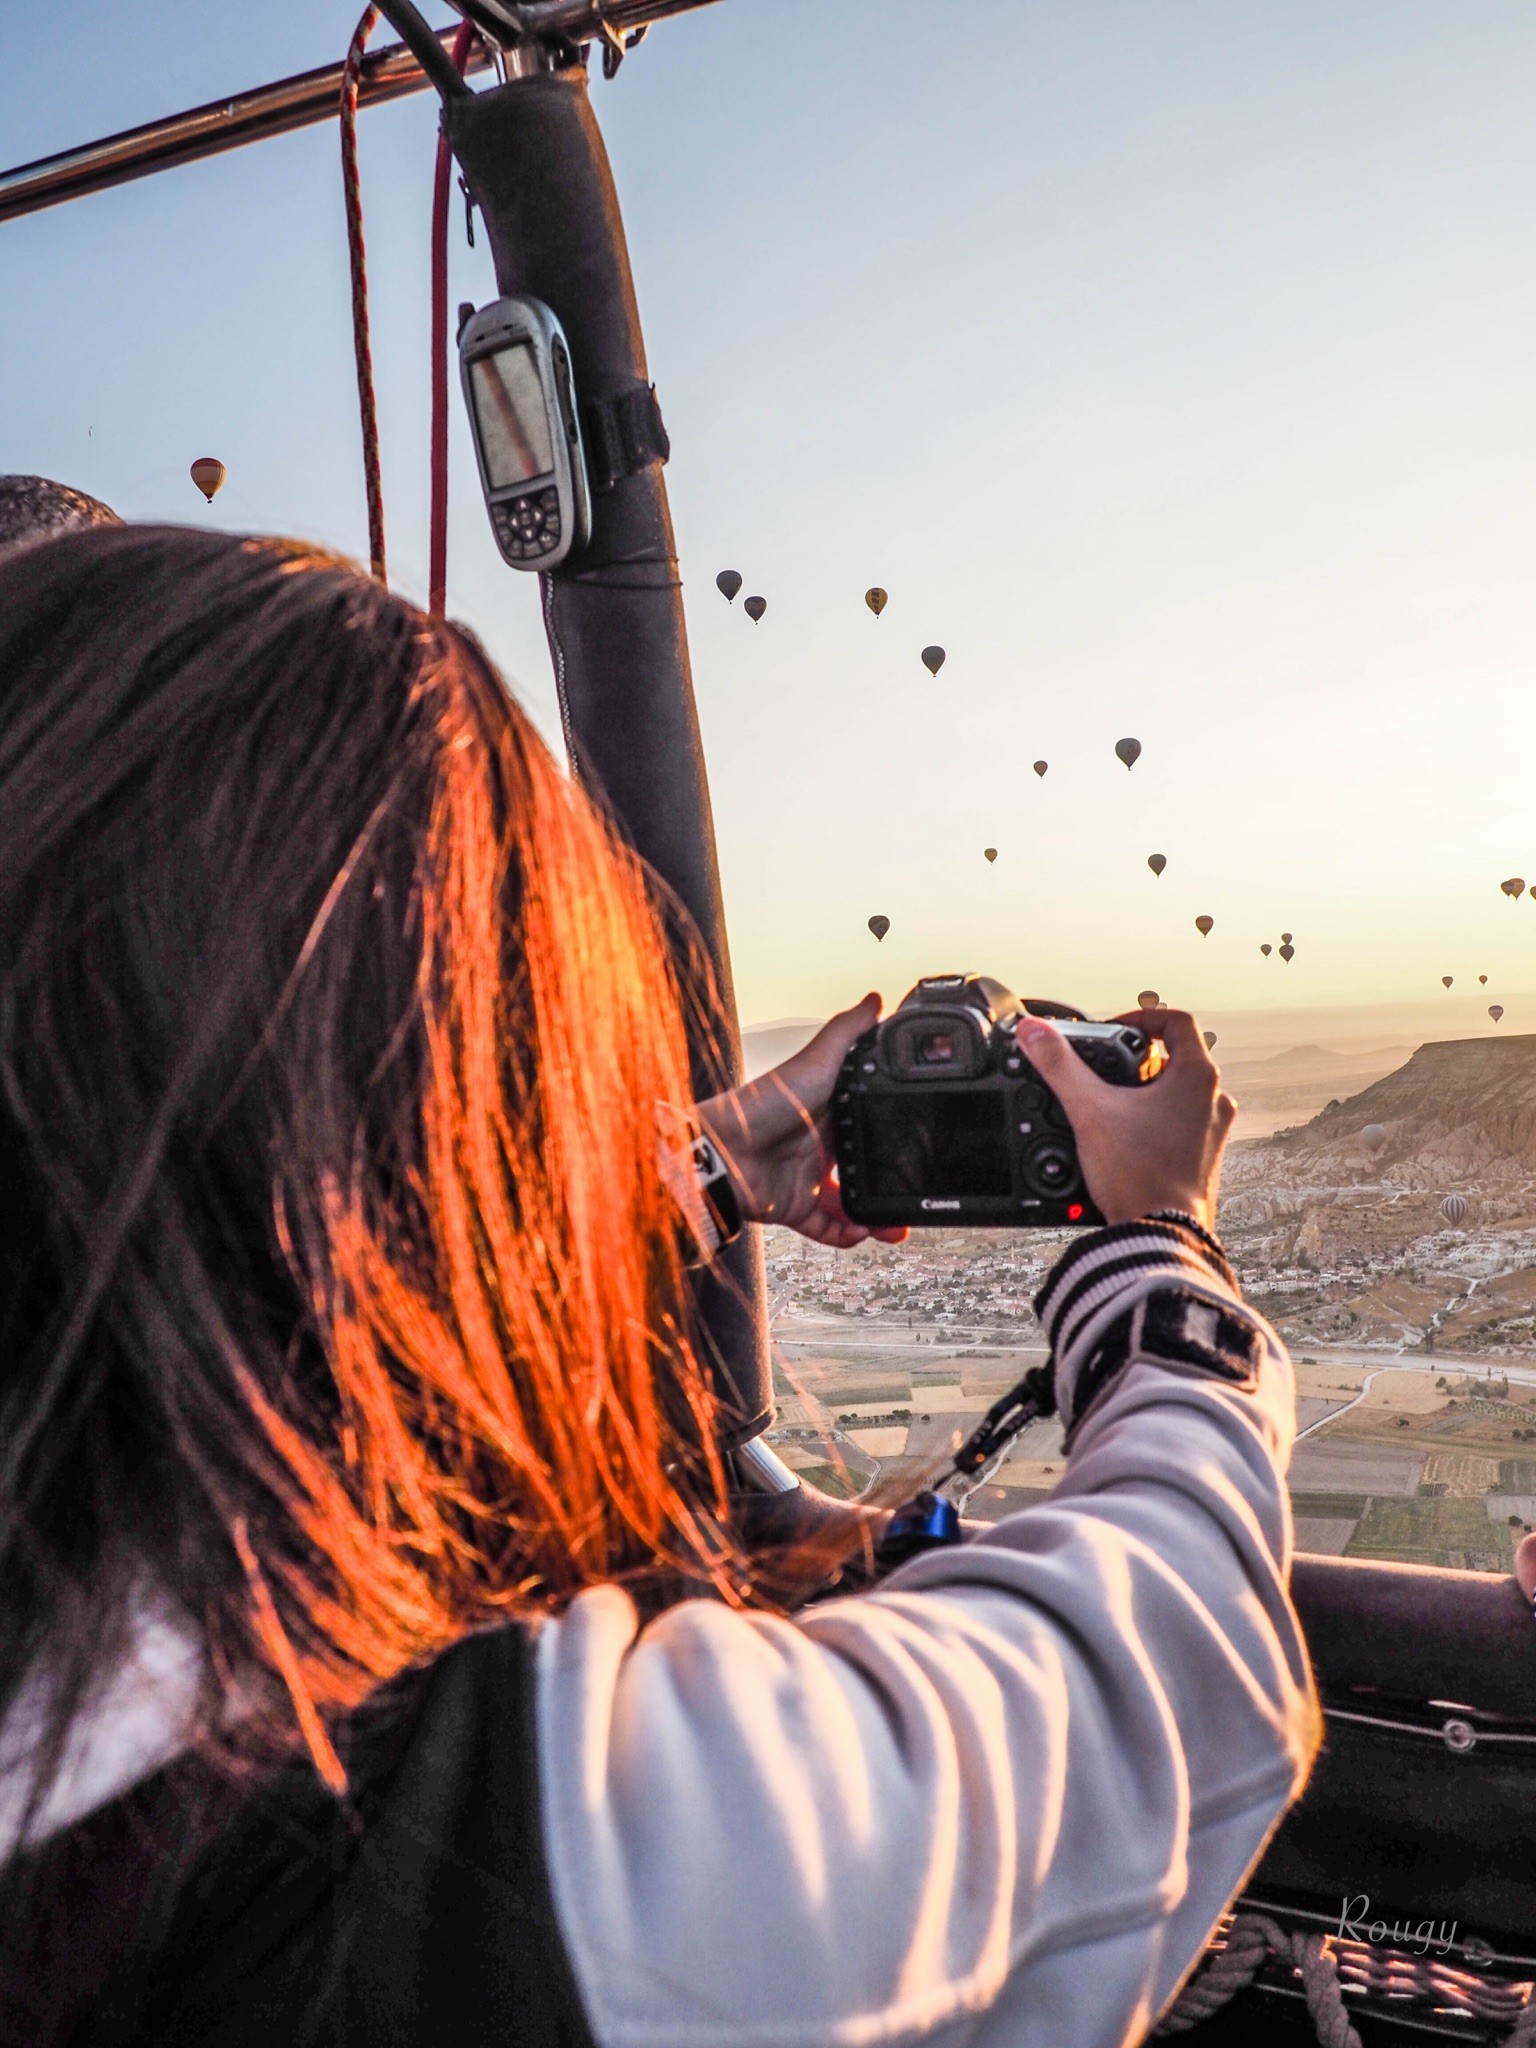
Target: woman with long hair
379, 1660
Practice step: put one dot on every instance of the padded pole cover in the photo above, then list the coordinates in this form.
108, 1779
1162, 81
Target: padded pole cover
535, 163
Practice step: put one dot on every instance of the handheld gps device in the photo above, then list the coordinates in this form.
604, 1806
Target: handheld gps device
515, 365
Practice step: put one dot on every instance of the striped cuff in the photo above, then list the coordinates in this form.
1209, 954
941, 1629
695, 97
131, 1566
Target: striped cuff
1111, 1268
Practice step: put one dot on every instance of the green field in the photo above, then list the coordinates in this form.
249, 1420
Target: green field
1449, 1532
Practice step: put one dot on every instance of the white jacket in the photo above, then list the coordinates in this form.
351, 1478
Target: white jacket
1004, 1799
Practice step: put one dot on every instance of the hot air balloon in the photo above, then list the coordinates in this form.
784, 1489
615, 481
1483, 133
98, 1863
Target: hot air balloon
728, 582
1495, 1011
1041, 766
1287, 952
1286, 938
1148, 999
754, 607
1266, 949
876, 599
1203, 926
1157, 862
933, 659
1446, 980
879, 926
1483, 979
1515, 886
208, 474
1374, 1137
1210, 1040
1454, 1210
1129, 752
990, 852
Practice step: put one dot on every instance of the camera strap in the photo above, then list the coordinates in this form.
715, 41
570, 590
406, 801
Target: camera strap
990, 1441
931, 1519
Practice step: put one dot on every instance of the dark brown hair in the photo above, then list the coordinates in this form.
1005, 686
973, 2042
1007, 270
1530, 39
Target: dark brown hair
341, 1303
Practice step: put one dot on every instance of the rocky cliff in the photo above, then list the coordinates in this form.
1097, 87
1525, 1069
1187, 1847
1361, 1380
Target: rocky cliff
1460, 1108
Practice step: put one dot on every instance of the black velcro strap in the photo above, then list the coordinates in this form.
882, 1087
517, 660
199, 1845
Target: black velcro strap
1186, 1328
623, 435
1172, 1326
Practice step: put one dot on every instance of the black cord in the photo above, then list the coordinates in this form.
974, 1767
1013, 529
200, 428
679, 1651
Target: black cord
426, 47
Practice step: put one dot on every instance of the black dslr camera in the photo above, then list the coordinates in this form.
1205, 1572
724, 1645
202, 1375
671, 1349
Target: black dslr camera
939, 1118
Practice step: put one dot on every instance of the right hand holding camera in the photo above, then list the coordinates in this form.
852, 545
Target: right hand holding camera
1141, 1149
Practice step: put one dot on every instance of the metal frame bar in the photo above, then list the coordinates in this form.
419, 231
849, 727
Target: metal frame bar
299, 102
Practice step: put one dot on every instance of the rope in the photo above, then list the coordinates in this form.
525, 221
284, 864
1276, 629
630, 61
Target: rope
1328, 1967
352, 196
437, 550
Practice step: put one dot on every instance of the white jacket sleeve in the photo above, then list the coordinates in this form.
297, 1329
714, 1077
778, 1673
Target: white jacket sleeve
1004, 1799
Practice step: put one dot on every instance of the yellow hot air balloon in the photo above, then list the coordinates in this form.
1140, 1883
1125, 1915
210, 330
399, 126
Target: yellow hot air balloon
876, 599
208, 473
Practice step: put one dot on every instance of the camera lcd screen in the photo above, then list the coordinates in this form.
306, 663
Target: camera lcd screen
513, 421
944, 1145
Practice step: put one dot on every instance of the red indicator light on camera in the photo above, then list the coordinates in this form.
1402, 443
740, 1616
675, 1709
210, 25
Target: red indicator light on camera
1074, 1212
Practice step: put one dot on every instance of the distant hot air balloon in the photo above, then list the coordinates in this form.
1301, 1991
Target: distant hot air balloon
1203, 926
1515, 886
876, 599
1495, 1011
990, 852
1287, 952
1210, 1040
1374, 1138
208, 474
1286, 938
879, 926
1148, 999
1129, 752
1446, 980
1266, 949
754, 607
1157, 862
1041, 766
933, 659
728, 582
1483, 979
1454, 1210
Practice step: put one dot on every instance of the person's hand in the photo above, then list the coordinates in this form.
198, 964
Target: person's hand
1158, 1146
776, 1136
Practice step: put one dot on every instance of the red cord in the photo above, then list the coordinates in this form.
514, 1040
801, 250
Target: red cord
437, 551
353, 197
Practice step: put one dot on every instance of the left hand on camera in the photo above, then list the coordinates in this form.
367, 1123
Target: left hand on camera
775, 1135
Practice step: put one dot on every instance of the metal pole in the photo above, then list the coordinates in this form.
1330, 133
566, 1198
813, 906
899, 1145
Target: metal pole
301, 102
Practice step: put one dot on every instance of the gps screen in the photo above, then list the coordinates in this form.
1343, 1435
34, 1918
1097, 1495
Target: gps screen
509, 408
936, 1144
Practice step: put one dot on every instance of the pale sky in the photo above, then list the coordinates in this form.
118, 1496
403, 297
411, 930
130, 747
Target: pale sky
1170, 366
